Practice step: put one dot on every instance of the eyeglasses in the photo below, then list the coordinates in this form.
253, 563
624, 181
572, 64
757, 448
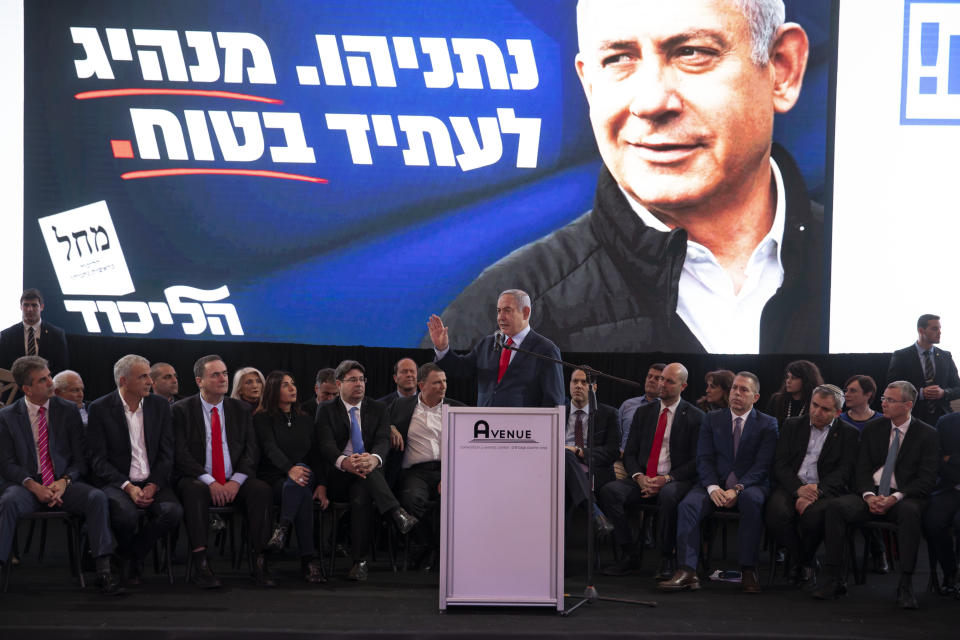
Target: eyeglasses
890, 400
360, 380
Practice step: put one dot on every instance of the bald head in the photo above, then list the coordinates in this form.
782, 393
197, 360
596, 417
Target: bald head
674, 382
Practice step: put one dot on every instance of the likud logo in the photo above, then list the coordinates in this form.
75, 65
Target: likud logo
88, 260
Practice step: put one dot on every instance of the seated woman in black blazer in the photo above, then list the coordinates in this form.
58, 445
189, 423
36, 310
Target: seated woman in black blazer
290, 464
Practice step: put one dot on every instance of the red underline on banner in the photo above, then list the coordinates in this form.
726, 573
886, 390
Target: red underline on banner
259, 173
115, 93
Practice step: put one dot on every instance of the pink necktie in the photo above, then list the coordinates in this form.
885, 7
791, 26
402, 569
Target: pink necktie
46, 464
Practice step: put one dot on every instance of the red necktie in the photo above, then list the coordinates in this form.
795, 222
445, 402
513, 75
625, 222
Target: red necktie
216, 446
504, 361
654, 458
43, 448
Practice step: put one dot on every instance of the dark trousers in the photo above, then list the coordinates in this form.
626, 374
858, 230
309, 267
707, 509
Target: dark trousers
255, 495
418, 486
575, 479
163, 515
296, 506
943, 511
79, 499
616, 496
697, 506
362, 494
906, 514
800, 534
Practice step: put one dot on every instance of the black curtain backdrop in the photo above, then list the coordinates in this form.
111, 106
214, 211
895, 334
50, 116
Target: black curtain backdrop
93, 358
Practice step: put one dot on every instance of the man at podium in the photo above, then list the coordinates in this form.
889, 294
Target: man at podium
506, 377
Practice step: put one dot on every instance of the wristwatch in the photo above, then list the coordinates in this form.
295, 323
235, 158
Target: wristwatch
67, 479
739, 488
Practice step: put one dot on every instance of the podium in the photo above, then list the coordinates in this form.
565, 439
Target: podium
502, 507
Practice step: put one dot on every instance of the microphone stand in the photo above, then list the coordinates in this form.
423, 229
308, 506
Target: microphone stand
590, 594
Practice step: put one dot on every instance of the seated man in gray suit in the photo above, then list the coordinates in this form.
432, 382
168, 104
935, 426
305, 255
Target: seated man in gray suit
43, 464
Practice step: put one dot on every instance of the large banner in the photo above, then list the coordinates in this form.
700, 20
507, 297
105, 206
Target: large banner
311, 171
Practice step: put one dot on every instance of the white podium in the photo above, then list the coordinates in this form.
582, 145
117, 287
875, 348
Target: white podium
502, 502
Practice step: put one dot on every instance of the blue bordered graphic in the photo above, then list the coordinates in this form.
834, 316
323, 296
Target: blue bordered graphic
932, 52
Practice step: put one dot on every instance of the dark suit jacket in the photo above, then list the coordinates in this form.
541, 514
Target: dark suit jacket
834, 466
917, 459
18, 451
949, 429
905, 365
401, 412
683, 440
528, 382
52, 345
606, 442
333, 428
758, 442
190, 437
108, 440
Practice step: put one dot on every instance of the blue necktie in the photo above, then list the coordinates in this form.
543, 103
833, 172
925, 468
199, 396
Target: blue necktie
356, 438
889, 464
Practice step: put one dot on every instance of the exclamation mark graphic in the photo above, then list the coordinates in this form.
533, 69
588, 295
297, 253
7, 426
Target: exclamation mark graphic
929, 45
953, 69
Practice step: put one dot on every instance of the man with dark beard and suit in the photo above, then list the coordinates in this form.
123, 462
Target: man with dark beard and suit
661, 465
812, 465
896, 471
508, 378
130, 440
216, 457
354, 437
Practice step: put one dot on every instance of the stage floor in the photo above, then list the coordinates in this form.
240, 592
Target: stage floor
44, 600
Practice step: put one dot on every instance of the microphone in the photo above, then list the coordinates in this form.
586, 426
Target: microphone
498, 341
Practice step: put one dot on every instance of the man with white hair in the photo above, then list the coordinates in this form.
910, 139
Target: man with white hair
130, 440
508, 377
69, 385
702, 236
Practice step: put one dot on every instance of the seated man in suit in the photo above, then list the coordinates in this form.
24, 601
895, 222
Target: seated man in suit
651, 393
130, 442
43, 464
33, 337
216, 456
661, 464
508, 378
928, 368
734, 455
606, 447
813, 464
354, 437
895, 472
69, 385
944, 508
418, 421
405, 379
166, 384
325, 388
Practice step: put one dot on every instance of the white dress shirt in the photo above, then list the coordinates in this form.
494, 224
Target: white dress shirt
725, 321
902, 428
423, 437
139, 465
663, 462
207, 478
33, 410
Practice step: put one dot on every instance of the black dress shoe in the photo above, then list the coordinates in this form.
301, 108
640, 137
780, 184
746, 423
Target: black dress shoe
624, 567
312, 569
949, 586
130, 572
905, 597
404, 521
203, 575
278, 540
261, 573
358, 571
684, 579
110, 584
830, 590
602, 526
749, 581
